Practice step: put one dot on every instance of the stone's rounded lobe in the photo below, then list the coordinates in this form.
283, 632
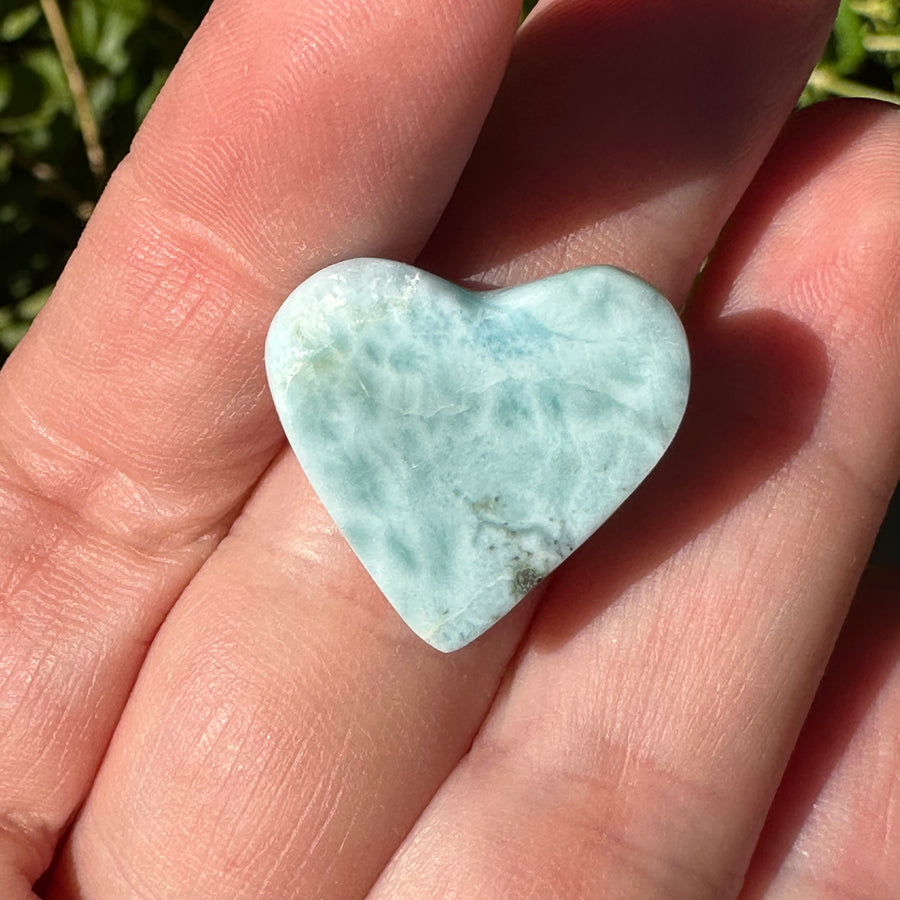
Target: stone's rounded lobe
465, 444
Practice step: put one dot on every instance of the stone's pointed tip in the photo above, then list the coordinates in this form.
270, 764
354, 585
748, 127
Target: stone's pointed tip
466, 445
450, 640
450, 646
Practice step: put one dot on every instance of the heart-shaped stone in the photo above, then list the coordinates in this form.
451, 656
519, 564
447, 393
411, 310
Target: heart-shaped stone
466, 443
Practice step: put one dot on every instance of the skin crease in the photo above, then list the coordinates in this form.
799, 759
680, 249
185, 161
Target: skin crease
831, 829
286, 736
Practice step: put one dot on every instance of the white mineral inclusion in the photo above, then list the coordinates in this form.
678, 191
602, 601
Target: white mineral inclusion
465, 444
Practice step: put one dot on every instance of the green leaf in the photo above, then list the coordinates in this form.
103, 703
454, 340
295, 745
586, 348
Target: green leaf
148, 95
100, 30
850, 52
11, 334
882, 14
133, 9
7, 154
83, 22
6, 85
28, 308
14, 322
45, 62
31, 92
102, 93
117, 28
16, 22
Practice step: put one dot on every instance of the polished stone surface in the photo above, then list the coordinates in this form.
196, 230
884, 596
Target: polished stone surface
465, 444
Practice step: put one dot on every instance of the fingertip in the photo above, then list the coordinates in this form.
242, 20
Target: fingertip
359, 116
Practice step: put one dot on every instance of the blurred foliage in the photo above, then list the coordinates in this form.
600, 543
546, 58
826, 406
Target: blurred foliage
862, 58
125, 49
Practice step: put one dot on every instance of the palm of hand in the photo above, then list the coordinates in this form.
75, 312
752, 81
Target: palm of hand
286, 736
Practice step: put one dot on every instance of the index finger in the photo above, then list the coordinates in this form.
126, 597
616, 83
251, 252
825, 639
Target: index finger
135, 412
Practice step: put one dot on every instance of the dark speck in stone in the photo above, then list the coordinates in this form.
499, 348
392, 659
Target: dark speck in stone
525, 578
485, 506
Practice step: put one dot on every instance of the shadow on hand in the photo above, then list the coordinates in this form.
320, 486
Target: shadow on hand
758, 383
607, 106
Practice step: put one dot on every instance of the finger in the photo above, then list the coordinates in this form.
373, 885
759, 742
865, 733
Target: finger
834, 828
636, 746
285, 710
342, 679
591, 157
135, 413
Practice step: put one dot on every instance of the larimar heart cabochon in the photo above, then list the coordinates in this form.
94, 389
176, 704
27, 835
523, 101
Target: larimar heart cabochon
466, 443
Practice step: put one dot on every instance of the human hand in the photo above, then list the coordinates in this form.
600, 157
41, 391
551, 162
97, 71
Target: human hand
622, 735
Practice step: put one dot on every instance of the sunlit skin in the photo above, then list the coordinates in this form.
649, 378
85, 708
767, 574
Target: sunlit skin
203, 694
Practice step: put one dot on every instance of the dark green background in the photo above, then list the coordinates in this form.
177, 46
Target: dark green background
125, 50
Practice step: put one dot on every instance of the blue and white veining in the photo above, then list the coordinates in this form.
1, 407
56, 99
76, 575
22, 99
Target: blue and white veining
463, 443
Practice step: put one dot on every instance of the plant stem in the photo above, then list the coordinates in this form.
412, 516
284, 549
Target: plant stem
882, 43
826, 80
86, 121
174, 20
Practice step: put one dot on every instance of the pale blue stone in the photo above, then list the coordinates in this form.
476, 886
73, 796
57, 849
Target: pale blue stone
465, 444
